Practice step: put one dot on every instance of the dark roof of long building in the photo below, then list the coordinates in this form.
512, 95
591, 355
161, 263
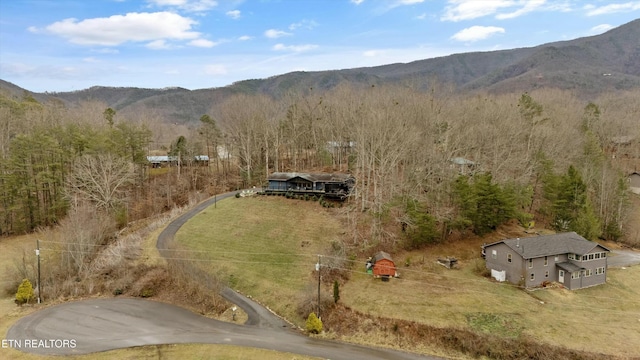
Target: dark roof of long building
550, 245
285, 176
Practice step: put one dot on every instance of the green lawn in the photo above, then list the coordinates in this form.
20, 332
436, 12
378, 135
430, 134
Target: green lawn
264, 247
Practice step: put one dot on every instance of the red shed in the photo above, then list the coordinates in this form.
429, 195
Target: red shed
383, 265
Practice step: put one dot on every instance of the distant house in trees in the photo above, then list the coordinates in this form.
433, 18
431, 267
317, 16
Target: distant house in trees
567, 258
634, 182
333, 186
383, 265
464, 166
164, 161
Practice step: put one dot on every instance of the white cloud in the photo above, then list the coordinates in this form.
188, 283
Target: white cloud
274, 34
612, 8
294, 48
458, 10
90, 59
422, 16
234, 14
245, 38
372, 53
529, 6
107, 51
357, 2
118, 29
158, 45
202, 43
600, 28
186, 5
409, 2
476, 33
306, 24
215, 69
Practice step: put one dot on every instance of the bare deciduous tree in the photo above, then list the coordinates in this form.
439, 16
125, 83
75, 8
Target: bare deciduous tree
100, 179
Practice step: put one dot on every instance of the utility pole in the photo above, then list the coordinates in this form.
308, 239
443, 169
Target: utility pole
38, 256
318, 270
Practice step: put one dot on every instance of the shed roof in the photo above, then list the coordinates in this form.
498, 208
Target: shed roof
285, 176
549, 245
381, 255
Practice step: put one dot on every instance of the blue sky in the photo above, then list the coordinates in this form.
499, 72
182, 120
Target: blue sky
66, 45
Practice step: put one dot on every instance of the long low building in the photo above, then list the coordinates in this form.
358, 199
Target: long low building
335, 186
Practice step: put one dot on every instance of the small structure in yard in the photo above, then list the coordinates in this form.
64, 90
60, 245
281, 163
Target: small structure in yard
332, 186
383, 266
634, 182
566, 258
448, 262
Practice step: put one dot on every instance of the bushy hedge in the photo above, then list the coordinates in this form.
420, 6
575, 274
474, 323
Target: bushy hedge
314, 325
25, 292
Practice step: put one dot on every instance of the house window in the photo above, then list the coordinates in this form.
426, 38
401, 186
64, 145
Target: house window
575, 275
530, 263
546, 274
604, 255
494, 254
597, 255
556, 258
546, 261
571, 256
590, 256
508, 257
599, 270
585, 257
588, 272
532, 277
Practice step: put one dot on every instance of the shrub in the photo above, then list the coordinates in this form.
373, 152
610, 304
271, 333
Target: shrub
314, 325
145, 293
336, 291
479, 267
25, 292
117, 292
237, 195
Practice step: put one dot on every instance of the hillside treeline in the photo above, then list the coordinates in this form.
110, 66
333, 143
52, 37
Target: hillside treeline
427, 163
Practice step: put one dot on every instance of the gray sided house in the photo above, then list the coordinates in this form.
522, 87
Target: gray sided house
334, 186
566, 258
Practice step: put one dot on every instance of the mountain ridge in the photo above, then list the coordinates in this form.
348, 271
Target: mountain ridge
588, 65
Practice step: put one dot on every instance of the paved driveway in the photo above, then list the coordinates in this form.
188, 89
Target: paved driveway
621, 258
107, 324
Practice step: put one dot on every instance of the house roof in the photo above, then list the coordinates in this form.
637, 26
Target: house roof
286, 176
549, 245
569, 266
381, 255
462, 161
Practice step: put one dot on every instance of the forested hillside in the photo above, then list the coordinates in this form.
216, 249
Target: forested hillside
427, 163
588, 67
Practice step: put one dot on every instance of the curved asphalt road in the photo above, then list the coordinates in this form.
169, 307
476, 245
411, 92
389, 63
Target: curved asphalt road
107, 324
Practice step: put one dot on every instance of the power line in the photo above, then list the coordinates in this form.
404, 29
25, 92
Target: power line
302, 264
